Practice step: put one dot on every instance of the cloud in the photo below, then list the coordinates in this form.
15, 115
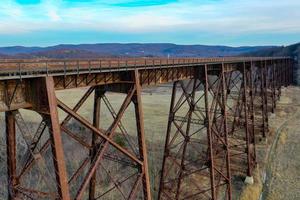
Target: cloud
53, 15
225, 17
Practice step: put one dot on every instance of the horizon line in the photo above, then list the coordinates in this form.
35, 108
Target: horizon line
146, 43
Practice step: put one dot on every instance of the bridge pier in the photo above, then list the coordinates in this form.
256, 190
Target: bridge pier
241, 120
238, 102
45, 103
110, 138
197, 146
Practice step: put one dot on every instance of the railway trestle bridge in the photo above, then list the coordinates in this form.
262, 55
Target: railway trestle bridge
219, 109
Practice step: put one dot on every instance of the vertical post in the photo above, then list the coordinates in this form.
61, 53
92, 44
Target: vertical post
245, 99
279, 78
291, 72
224, 108
56, 142
262, 95
251, 93
286, 68
166, 151
276, 79
11, 154
96, 123
265, 78
290, 63
273, 86
141, 136
209, 136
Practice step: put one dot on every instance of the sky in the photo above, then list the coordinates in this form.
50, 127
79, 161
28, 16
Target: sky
210, 22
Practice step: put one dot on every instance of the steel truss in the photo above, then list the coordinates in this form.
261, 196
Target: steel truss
199, 163
121, 161
197, 151
241, 120
215, 120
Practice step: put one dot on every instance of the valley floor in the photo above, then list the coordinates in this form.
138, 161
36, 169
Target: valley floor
283, 179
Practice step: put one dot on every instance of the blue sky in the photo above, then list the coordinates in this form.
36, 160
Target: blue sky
213, 22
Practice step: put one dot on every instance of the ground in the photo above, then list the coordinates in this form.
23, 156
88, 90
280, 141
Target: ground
284, 164
277, 176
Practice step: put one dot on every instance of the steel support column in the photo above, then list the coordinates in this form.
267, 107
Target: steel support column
11, 155
209, 135
265, 77
168, 136
225, 136
279, 79
263, 99
95, 140
250, 143
252, 112
137, 100
273, 86
56, 141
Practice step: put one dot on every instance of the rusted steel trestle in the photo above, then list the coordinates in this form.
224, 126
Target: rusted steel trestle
219, 110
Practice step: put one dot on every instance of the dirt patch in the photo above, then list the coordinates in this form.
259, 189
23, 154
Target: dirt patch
283, 137
285, 100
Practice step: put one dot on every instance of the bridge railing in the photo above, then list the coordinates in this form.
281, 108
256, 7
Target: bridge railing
29, 67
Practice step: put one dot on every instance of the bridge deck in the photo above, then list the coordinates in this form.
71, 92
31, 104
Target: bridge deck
18, 76
28, 68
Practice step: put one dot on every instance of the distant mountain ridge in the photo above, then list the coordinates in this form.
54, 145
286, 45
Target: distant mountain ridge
291, 50
126, 50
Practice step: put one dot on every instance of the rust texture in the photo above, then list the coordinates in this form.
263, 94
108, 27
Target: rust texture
219, 110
